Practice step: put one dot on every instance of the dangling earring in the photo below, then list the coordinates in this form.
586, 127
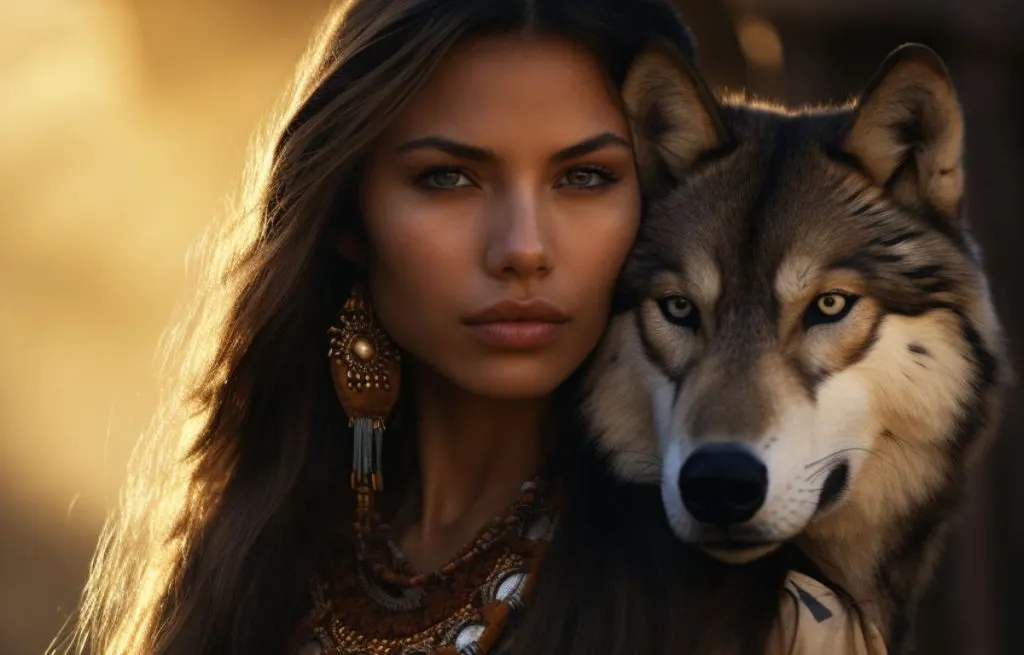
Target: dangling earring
365, 365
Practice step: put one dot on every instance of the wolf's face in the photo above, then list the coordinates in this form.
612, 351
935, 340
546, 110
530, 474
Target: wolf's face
806, 343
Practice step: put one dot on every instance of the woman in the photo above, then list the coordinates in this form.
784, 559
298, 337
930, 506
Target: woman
443, 214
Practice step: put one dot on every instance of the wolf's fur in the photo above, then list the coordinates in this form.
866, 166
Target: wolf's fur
755, 212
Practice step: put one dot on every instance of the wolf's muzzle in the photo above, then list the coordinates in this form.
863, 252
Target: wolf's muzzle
723, 484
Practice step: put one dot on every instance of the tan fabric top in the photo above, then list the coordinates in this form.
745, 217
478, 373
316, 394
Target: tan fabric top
824, 624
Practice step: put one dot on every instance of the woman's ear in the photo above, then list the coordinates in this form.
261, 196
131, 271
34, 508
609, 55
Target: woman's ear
353, 245
351, 241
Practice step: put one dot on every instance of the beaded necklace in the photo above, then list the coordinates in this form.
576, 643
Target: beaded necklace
378, 604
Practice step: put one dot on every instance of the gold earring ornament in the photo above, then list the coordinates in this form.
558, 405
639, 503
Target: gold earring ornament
366, 367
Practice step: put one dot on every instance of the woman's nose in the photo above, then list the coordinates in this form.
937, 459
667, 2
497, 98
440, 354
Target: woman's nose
519, 237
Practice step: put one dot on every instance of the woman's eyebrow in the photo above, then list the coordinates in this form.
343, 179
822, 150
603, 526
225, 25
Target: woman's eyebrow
450, 147
592, 144
461, 150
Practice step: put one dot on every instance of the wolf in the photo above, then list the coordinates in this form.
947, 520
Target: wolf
803, 350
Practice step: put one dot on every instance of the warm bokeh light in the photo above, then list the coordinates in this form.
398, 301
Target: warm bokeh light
760, 42
123, 130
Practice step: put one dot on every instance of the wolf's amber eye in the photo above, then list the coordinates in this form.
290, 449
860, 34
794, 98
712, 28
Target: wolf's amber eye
829, 308
678, 310
831, 304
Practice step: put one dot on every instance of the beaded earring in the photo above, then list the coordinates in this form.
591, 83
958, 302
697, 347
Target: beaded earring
366, 368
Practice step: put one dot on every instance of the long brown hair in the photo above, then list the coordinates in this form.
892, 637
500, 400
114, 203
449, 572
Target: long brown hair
244, 472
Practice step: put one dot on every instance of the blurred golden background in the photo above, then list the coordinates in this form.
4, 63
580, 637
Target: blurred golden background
124, 126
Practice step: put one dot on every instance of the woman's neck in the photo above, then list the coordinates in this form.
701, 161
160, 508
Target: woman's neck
475, 453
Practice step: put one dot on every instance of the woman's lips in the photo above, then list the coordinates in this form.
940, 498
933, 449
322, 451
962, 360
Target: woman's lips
518, 324
516, 335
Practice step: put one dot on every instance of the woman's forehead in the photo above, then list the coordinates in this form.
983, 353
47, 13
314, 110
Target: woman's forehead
502, 91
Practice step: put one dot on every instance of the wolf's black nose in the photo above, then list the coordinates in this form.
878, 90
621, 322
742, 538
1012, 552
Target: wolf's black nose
723, 484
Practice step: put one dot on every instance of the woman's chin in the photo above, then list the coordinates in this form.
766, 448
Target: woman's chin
512, 387
511, 380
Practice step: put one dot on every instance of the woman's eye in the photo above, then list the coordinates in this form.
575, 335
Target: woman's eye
828, 308
445, 178
590, 177
680, 311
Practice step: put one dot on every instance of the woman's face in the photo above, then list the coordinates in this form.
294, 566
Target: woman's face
499, 207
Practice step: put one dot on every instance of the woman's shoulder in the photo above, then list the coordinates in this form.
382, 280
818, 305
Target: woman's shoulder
819, 621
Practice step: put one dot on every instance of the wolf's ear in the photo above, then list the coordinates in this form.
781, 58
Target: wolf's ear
908, 131
672, 113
